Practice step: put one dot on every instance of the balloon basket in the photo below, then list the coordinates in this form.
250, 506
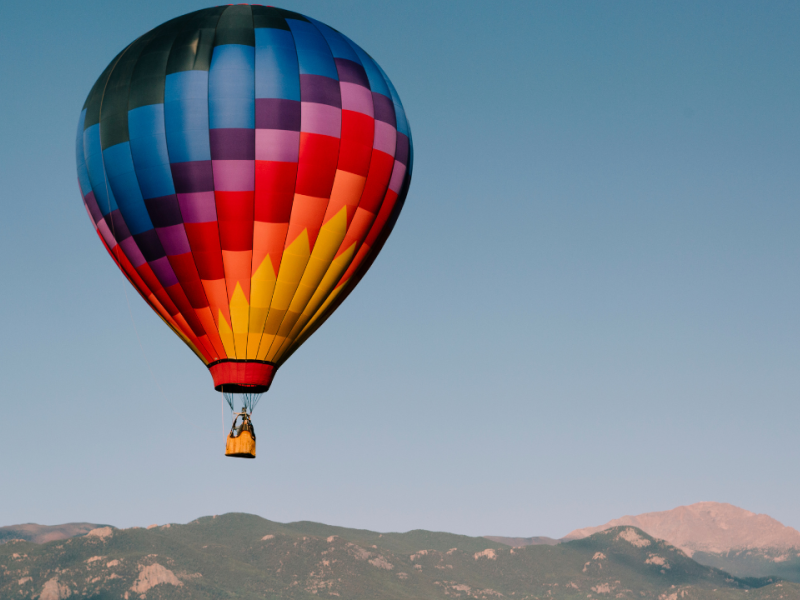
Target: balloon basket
241, 446
241, 442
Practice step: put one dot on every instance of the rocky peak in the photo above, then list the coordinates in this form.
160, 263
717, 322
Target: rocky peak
706, 527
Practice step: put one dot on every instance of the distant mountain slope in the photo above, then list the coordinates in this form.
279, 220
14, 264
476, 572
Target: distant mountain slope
711, 527
39, 534
244, 556
517, 542
756, 562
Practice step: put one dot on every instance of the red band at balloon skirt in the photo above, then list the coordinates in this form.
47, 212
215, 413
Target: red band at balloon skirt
242, 376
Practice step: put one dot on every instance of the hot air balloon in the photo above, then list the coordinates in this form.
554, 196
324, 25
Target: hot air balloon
243, 166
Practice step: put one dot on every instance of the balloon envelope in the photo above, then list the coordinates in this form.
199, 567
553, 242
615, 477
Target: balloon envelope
243, 165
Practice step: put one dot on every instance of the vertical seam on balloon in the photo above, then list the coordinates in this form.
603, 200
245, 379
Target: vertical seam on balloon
290, 349
216, 212
284, 347
133, 160
338, 157
294, 190
286, 235
253, 238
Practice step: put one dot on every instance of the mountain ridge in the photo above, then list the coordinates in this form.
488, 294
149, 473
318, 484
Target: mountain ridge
250, 557
40, 534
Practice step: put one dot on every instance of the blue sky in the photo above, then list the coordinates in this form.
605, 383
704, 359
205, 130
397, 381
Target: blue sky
589, 306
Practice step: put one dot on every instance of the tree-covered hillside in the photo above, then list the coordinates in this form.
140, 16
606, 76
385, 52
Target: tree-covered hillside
243, 556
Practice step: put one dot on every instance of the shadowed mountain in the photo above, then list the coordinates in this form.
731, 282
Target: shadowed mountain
245, 556
755, 562
39, 534
518, 542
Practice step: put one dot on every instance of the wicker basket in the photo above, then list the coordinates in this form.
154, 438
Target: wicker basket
241, 441
241, 446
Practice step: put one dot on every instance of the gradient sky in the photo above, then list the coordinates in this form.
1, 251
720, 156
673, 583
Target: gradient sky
589, 307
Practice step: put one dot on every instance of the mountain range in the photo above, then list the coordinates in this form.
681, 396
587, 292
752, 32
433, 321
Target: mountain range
706, 550
244, 556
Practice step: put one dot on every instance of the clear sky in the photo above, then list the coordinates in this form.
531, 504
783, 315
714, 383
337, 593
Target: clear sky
589, 307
